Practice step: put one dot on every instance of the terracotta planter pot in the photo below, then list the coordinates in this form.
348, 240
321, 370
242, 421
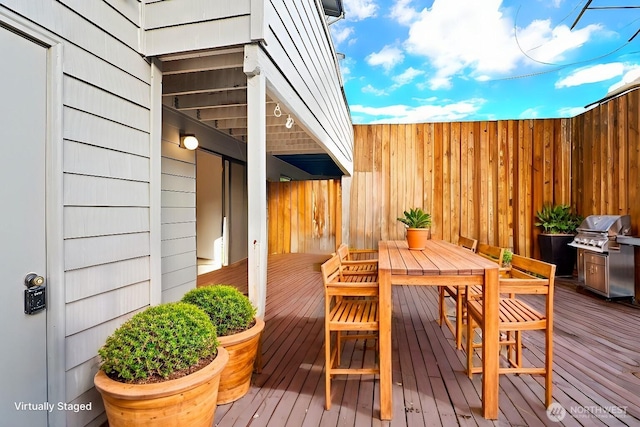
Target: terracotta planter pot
417, 238
236, 377
187, 401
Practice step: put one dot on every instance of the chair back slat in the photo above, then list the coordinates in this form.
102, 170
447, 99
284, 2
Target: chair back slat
468, 243
330, 270
343, 252
494, 253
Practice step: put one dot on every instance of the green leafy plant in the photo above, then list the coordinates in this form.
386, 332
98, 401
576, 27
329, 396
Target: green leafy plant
507, 256
557, 219
229, 310
159, 342
416, 218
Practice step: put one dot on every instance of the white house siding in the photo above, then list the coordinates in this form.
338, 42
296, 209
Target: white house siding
179, 258
178, 218
107, 117
106, 168
187, 25
296, 37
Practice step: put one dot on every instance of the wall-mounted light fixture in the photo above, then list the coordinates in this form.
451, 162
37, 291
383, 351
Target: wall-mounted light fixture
190, 142
289, 122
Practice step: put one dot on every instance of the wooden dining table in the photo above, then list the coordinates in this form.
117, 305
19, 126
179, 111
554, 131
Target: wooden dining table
439, 263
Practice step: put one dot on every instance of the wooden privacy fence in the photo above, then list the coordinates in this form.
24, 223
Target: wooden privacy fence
484, 180
304, 216
479, 179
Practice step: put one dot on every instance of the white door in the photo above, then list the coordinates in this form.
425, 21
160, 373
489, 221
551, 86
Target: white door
23, 357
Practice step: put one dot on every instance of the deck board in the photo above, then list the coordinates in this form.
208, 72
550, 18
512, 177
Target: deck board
596, 361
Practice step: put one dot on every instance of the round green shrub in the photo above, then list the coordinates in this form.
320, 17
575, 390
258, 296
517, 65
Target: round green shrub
158, 342
230, 311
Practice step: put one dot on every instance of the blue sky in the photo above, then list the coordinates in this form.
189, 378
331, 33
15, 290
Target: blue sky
413, 61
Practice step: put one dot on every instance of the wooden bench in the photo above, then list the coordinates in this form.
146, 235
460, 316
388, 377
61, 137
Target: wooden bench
526, 276
351, 305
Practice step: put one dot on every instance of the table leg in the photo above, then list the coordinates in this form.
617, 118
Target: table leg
384, 335
490, 345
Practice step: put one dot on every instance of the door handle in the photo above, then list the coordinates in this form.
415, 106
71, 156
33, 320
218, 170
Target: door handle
32, 279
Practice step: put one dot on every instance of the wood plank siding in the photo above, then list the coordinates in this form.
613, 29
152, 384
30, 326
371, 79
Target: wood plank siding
595, 368
304, 216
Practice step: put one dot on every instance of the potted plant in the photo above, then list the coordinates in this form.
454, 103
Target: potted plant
559, 227
162, 367
239, 332
507, 256
418, 225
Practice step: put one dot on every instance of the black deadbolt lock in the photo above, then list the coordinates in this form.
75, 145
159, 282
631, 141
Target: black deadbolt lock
35, 296
32, 279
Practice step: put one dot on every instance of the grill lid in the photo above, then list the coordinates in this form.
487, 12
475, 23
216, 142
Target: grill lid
610, 224
598, 232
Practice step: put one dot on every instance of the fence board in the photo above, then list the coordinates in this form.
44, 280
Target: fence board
484, 180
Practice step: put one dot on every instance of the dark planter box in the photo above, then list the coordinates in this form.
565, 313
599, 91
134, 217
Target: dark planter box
554, 249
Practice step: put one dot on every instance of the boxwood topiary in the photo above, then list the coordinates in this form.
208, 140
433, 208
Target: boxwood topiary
158, 343
230, 311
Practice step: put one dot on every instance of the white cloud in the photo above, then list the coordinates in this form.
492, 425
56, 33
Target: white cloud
592, 74
373, 90
477, 35
529, 113
402, 13
542, 43
388, 57
420, 114
357, 10
631, 75
406, 77
341, 34
570, 111
346, 65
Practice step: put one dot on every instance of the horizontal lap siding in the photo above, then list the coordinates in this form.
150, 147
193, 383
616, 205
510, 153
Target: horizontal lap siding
171, 25
106, 211
106, 174
297, 39
178, 216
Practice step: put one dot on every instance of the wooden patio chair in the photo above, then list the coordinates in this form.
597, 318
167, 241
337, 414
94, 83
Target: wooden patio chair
351, 312
527, 276
358, 261
457, 293
494, 253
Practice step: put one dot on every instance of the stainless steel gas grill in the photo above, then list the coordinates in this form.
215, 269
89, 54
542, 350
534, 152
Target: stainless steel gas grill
604, 265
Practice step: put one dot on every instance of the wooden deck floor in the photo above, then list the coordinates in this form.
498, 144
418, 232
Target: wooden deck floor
596, 362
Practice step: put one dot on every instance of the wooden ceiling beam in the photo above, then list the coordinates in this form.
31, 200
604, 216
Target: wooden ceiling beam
203, 63
203, 82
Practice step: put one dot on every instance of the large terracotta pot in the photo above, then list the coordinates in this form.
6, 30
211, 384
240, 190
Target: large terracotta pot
243, 348
417, 238
187, 401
